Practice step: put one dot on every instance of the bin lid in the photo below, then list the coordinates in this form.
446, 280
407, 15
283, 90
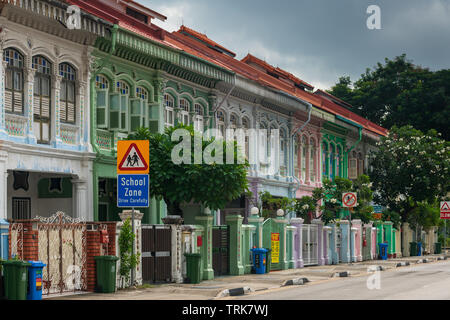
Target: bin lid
38, 264
259, 250
17, 263
110, 258
192, 255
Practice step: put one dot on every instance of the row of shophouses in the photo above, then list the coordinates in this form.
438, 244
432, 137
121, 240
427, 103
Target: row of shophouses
75, 80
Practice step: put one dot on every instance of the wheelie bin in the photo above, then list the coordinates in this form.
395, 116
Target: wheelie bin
193, 267
106, 273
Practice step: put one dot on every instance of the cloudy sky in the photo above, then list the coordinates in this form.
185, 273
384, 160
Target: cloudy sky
319, 40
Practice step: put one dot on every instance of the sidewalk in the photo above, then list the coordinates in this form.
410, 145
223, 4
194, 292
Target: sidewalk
218, 287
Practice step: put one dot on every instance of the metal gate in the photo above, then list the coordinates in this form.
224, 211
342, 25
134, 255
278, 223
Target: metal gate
310, 245
62, 247
220, 250
338, 244
156, 253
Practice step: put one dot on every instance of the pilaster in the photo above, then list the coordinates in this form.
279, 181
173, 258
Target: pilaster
206, 222
235, 228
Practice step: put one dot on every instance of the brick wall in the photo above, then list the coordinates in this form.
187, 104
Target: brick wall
30, 244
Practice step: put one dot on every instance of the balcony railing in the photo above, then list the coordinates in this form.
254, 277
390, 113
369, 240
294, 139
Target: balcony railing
105, 139
69, 133
16, 125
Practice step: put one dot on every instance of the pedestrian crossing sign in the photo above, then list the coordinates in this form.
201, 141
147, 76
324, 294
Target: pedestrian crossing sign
132, 157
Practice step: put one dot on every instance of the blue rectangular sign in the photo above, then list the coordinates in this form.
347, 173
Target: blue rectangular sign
132, 191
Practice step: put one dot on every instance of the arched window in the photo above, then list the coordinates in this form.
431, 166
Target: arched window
263, 142
246, 126
353, 166
102, 86
13, 81
42, 102
221, 123
304, 157
312, 160
296, 157
360, 164
67, 104
332, 170
169, 104
339, 161
283, 150
118, 112
138, 108
324, 160
233, 121
198, 118
184, 112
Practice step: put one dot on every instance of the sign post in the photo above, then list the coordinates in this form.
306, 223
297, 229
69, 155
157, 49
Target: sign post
133, 180
445, 214
349, 200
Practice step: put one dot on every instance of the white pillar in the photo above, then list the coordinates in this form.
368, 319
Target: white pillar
3, 186
28, 106
80, 201
125, 214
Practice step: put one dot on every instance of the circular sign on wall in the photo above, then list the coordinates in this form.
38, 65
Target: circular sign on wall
349, 199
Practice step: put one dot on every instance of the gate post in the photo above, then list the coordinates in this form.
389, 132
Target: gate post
367, 250
357, 224
235, 227
320, 259
297, 252
206, 221
257, 221
125, 214
246, 256
334, 253
353, 244
345, 241
388, 225
327, 244
290, 246
374, 243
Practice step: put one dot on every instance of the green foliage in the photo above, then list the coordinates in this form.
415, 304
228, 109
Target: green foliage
411, 170
211, 185
305, 208
424, 215
400, 93
128, 260
389, 215
271, 204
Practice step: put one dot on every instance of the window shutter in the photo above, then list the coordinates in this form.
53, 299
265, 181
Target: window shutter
137, 114
8, 101
352, 169
101, 109
114, 111
360, 167
123, 112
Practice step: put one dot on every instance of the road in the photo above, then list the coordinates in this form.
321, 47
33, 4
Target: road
428, 281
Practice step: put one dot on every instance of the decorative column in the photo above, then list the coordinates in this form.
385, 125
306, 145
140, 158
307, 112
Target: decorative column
374, 243
290, 231
124, 215
367, 249
55, 116
345, 241
234, 223
327, 244
174, 222
388, 225
80, 201
3, 66
353, 244
379, 226
83, 135
319, 223
3, 187
297, 252
246, 253
257, 221
28, 106
206, 221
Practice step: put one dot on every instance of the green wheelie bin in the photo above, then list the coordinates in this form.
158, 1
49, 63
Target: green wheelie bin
193, 267
413, 249
16, 279
106, 273
438, 248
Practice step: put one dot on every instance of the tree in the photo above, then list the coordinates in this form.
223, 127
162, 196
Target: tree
211, 185
400, 93
410, 172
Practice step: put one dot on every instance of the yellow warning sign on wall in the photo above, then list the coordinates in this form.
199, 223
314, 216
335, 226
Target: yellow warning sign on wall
275, 239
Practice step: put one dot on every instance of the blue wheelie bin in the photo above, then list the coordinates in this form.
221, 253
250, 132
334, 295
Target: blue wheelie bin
259, 260
35, 280
383, 250
419, 248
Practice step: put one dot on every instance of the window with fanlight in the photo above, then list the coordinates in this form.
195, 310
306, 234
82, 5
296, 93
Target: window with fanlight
184, 112
67, 106
118, 112
296, 157
138, 109
102, 91
198, 117
169, 113
312, 160
42, 99
13, 81
304, 157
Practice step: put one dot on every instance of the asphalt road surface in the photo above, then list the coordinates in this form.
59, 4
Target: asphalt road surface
428, 281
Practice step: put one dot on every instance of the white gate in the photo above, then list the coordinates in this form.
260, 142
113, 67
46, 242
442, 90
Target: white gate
62, 247
310, 245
